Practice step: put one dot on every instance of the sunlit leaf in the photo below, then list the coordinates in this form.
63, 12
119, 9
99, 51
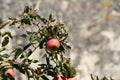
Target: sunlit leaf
25, 55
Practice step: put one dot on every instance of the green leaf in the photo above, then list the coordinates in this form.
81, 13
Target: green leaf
3, 24
47, 61
43, 66
2, 49
33, 42
20, 68
5, 41
59, 66
111, 78
25, 55
51, 73
9, 77
26, 9
42, 19
62, 48
18, 51
104, 78
26, 21
35, 61
29, 33
72, 72
51, 18
5, 55
26, 46
24, 35
69, 71
94, 77
44, 77
41, 44
7, 33
68, 46
43, 32
33, 38
38, 71
1, 59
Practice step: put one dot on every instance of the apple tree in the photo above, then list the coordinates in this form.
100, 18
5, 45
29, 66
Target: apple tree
50, 36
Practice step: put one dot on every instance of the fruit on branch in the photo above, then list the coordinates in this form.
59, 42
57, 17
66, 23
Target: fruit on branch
53, 44
71, 78
59, 77
11, 72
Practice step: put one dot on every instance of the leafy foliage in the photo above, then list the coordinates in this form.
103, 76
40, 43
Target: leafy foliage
46, 29
94, 77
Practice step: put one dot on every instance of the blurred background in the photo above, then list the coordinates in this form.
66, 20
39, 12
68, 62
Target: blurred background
93, 27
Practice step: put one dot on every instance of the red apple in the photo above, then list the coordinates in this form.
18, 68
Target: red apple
71, 78
59, 77
11, 72
53, 44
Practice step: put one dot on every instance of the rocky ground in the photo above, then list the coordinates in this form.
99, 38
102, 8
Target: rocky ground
94, 32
